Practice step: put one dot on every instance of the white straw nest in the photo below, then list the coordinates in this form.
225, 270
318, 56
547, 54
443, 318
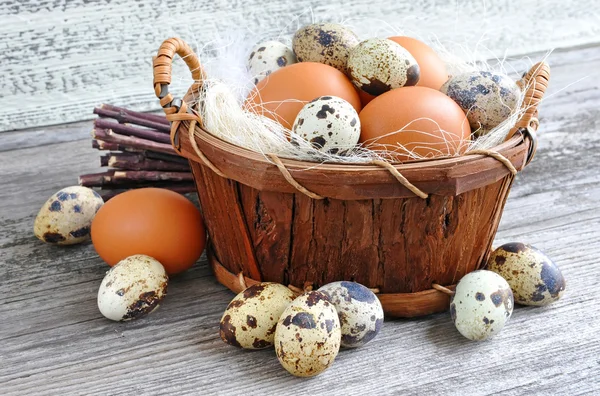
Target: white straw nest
220, 103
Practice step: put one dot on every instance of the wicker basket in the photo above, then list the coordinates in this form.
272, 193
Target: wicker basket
277, 221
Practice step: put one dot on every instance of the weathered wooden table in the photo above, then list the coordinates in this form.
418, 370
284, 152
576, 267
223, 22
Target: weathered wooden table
53, 339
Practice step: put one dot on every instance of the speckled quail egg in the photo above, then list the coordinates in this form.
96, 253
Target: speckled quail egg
251, 317
378, 65
532, 276
481, 305
487, 98
132, 288
359, 310
66, 217
330, 124
267, 57
327, 43
308, 335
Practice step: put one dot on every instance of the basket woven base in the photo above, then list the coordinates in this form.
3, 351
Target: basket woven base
405, 305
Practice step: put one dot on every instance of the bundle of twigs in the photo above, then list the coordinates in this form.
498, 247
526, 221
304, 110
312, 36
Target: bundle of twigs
138, 154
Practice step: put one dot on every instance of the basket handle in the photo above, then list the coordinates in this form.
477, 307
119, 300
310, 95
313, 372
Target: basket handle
176, 110
534, 82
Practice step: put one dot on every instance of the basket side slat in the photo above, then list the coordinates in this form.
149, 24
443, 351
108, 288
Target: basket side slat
359, 243
497, 215
269, 218
223, 216
302, 243
393, 261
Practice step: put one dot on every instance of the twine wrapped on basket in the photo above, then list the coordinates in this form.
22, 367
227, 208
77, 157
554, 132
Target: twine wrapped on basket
408, 231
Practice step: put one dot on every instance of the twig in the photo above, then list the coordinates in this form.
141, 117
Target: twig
109, 135
125, 118
129, 130
102, 145
95, 179
144, 176
132, 161
117, 177
148, 116
166, 157
108, 194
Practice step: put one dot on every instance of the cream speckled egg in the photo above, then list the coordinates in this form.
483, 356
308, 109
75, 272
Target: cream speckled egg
481, 305
251, 317
327, 43
486, 98
308, 335
267, 57
330, 124
359, 310
134, 287
532, 276
378, 65
66, 217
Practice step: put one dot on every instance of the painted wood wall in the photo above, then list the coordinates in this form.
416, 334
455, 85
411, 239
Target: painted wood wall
60, 58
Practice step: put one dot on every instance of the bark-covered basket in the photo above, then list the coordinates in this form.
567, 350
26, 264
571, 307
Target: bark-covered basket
284, 221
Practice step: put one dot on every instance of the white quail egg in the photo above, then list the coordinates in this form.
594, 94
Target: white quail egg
487, 98
251, 317
330, 124
532, 276
267, 57
359, 310
481, 305
66, 217
307, 338
134, 287
378, 65
327, 43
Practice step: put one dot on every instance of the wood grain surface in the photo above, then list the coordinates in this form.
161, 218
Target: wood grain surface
53, 339
60, 58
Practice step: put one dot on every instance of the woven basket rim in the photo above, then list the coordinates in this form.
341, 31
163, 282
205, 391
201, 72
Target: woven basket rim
448, 176
213, 140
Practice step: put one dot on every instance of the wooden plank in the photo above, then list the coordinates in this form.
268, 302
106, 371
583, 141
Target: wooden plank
45, 135
63, 57
53, 339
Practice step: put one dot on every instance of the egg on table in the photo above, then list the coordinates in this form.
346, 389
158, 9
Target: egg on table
330, 124
327, 43
282, 95
267, 57
156, 222
379, 65
132, 288
359, 310
430, 124
66, 217
481, 305
532, 276
308, 335
251, 317
487, 98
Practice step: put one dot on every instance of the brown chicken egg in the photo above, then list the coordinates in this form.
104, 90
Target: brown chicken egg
432, 68
151, 221
282, 94
415, 122
365, 98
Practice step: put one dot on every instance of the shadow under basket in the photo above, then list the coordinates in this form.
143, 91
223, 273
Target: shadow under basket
361, 224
